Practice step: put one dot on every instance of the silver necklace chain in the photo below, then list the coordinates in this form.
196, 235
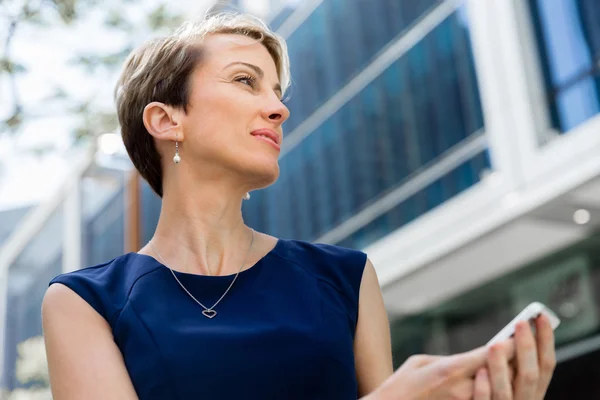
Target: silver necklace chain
208, 312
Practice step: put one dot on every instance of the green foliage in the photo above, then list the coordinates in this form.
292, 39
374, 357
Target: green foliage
66, 9
94, 123
11, 67
14, 121
161, 18
91, 62
115, 19
38, 14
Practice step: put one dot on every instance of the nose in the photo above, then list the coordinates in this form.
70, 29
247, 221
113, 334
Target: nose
275, 111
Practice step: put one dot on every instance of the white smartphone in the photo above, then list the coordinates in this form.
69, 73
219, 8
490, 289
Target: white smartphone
529, 313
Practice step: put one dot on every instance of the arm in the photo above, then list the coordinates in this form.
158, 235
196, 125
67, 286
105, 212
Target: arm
83, 360
372, 342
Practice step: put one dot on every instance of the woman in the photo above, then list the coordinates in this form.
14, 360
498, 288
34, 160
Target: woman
210, 309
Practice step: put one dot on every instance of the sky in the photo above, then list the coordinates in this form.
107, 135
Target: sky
25, 177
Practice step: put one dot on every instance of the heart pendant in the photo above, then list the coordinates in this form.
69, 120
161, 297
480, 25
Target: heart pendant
209, 313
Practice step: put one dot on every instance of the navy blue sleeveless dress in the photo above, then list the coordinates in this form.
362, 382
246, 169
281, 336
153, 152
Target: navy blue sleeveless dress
284, 331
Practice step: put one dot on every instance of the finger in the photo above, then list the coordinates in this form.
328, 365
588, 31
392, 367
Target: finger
528, 373
421, 360
546, 354
499, 373
481, 387
463, 389
470, 362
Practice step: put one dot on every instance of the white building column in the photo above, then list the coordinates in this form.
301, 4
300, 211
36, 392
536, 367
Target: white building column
501, 86
72, 220
512, 86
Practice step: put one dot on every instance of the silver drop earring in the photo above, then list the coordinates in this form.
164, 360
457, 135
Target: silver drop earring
246, 196
176, 158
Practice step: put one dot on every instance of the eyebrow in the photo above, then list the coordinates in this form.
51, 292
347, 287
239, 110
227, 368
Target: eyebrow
256, 69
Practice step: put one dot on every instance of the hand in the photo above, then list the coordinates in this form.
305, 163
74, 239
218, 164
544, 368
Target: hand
535, 363
442, 377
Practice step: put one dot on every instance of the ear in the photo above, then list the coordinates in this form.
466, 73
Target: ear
163, 121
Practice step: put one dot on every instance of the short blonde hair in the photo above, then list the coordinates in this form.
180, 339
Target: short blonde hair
159, 70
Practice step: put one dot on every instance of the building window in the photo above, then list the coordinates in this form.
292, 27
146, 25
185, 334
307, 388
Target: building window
568, 33
337, 41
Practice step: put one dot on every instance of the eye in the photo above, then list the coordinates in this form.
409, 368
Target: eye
247, 80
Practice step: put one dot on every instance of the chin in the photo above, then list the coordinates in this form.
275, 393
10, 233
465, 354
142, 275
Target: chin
265, 175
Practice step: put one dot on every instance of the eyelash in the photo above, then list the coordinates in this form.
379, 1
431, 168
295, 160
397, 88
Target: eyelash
250, 79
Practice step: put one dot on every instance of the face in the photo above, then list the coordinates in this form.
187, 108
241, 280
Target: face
233, 123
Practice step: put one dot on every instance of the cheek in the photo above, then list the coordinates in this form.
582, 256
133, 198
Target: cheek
220, 110
205, 119
218, 120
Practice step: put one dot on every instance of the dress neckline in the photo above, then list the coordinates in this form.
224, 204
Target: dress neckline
187, 275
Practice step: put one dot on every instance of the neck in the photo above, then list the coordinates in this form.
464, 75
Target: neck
201, 230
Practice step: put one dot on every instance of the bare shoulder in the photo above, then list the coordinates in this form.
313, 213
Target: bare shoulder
62, 304
83, 359
370, 279
371, 296
372, 344
60, 299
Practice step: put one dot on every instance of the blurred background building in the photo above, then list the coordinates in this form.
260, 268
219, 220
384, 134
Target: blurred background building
457, 142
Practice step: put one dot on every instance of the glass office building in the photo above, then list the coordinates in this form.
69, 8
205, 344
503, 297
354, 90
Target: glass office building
360, 129
450, 140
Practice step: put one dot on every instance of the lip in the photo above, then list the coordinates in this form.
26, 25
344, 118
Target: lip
275, 139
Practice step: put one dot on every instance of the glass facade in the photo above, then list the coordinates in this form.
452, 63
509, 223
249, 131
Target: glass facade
28, 278
150, 211
103, 232
405, 119
336, 42
568, 34
443, 189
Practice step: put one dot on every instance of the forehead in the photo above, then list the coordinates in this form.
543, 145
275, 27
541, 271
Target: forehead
223, 49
